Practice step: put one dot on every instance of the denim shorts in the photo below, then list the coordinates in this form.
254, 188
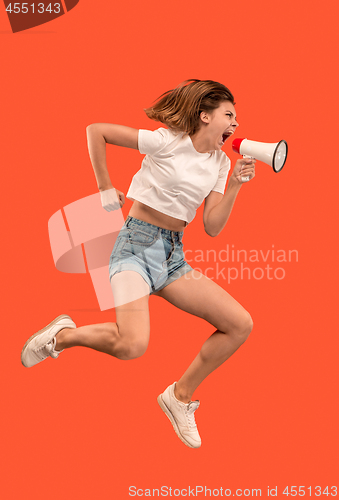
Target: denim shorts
153, 252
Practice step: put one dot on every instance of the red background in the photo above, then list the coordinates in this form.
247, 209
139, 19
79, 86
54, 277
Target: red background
88, 426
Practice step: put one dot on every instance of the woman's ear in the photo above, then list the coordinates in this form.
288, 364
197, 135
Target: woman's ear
204, 117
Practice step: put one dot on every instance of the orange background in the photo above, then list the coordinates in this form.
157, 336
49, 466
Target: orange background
88, 426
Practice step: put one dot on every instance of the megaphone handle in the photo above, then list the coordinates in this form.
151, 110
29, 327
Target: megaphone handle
247, 178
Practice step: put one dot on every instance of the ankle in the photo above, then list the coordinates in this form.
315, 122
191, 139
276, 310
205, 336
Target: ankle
61, 339
181, 394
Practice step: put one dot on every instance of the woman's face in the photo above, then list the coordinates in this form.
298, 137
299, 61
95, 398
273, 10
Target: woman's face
219, 125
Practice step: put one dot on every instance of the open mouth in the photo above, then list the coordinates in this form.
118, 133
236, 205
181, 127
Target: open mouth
226, 135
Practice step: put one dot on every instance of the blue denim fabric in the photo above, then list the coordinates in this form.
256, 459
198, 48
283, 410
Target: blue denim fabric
153, 252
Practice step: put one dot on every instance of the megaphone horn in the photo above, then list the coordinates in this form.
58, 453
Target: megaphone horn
274, 154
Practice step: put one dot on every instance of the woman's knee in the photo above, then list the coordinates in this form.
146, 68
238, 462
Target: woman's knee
244, 326
129, 344
240, 327
135, 349
129, 350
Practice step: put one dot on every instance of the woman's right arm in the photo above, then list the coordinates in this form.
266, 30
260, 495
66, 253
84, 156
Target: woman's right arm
98, 134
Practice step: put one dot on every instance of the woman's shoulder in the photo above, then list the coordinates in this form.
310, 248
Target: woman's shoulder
162, 132
153, 141
221, 158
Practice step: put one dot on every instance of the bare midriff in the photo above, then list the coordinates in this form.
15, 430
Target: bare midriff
148, 214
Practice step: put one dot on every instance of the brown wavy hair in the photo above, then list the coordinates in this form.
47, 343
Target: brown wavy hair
179, 109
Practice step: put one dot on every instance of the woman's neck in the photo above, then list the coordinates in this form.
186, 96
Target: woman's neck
200, 142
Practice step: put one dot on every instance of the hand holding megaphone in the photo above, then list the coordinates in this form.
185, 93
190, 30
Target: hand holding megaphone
274, 154
247, 178
244, 169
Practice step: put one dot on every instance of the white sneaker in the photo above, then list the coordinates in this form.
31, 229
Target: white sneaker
182, 417
42, 344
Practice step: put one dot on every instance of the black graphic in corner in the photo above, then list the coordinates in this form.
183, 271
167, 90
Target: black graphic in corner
25, 15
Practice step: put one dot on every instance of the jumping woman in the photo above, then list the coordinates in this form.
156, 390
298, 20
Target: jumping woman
184, 165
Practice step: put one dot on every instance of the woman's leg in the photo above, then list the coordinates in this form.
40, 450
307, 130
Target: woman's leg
198, 295
128, 337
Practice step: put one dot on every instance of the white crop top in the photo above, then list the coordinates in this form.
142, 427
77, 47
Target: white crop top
175, 178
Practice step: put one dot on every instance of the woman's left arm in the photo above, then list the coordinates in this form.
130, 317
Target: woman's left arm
218, 207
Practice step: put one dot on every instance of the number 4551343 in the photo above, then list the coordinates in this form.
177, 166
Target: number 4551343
26, 7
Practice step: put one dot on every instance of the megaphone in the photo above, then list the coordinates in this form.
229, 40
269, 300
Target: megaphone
274, 154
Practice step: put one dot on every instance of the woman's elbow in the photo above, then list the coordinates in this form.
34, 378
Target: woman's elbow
91, 127
94, 132
210, 232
